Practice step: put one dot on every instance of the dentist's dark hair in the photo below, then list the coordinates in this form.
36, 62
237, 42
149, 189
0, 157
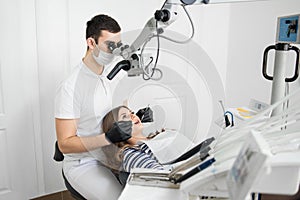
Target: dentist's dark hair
101, 22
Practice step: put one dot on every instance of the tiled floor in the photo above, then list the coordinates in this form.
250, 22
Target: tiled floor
64, 195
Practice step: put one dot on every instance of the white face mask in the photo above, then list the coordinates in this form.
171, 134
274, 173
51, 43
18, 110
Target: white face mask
103, 57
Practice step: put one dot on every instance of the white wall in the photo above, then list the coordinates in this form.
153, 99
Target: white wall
252, 29
53, 65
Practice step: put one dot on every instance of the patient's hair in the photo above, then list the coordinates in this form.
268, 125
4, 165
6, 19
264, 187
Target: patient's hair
113, 152
111, 117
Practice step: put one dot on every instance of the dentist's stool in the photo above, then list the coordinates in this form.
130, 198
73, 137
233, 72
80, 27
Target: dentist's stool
58, 156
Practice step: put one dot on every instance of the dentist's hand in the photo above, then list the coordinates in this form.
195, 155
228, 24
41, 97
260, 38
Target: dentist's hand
120, 131
145, 114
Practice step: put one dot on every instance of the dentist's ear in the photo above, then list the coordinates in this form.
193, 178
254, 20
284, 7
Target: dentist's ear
91, 43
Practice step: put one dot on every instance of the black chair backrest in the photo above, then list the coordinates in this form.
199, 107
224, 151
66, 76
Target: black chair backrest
58, 155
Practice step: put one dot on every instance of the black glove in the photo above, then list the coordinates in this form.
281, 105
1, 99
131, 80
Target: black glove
120, 131
145, 114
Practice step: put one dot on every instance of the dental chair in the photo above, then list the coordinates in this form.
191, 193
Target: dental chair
58, 156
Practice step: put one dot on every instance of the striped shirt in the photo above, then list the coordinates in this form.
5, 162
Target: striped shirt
140, 157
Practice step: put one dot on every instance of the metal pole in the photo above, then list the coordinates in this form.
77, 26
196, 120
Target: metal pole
278, 84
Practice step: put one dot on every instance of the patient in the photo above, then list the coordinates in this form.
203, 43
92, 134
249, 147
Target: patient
133, 153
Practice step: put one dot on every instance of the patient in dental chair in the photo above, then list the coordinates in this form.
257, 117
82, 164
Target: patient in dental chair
163, 150
133, 153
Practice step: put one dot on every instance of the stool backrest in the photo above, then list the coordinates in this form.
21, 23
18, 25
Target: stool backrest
58, 155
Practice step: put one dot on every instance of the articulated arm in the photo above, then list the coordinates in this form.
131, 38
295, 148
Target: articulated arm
165, 16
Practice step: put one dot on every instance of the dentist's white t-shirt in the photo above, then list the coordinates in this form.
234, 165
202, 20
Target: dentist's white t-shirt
87, 97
